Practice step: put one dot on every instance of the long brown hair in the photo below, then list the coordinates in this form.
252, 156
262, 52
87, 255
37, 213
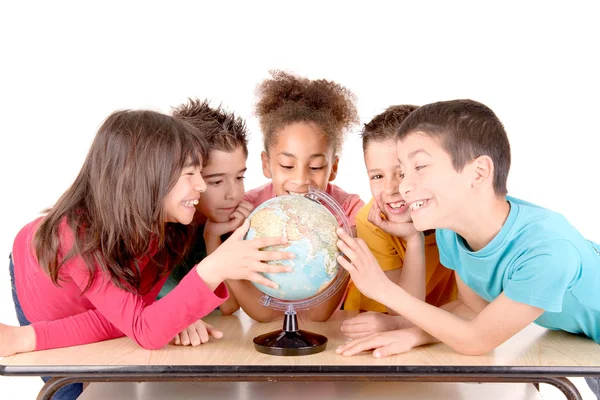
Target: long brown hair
115, 207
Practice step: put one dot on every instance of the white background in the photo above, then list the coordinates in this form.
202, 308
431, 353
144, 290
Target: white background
66, 65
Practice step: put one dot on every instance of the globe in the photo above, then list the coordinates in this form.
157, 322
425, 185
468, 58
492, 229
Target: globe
310, 229
309, 222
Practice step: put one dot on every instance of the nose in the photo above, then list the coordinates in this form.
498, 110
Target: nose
392, 185
301, 177
406, 185
232, 191
199, 184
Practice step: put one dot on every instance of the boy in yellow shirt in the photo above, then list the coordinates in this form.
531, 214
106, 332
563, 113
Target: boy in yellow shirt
409, 258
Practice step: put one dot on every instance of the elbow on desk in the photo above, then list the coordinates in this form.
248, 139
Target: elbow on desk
150, 345
473, 347
266, 315
148, 341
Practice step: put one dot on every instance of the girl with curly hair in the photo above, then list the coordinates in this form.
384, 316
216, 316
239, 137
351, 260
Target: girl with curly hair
303, 123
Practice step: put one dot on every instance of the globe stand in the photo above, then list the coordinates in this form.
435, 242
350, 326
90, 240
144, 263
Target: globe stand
290, 341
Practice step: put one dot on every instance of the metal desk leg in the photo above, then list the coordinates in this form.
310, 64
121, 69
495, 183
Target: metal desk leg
54, 384
564, 385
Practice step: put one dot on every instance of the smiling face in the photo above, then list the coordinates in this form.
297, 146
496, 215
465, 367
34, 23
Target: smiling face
383, 168
300, 157
434, 190
181, 200
224, 176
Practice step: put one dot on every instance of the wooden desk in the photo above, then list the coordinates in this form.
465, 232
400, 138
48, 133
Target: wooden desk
534, 355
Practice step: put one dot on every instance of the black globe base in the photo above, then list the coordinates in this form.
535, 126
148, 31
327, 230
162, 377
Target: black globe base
290, 341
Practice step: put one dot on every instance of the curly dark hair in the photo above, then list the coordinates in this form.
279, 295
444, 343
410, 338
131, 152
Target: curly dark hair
285, 99
223, 130
385, 125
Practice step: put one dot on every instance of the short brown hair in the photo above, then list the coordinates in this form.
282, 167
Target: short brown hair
286, 99
384, 126
222, 130
467, 129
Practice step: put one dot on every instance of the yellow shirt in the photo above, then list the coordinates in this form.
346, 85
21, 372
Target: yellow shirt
389, 252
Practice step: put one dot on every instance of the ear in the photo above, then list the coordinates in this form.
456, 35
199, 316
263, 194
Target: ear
482, 172
334, 168
265, 164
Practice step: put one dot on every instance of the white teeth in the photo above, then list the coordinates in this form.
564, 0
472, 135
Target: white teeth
190, 203
417, 204
397, 205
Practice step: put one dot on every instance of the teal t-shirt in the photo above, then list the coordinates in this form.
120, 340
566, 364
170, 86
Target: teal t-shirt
537, 258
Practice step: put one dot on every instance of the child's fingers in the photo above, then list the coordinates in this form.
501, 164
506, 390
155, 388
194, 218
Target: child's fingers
347, 265
374, 213
362, 318
217, 334
202, 333
258, 266
261, 280
348, 252
177, 340
185, 339
245, 208
392, 348
360, 345
358, 335
274, 255
239, 233
195, 335
347, 239
267, 241
237, 216
352, 345
355, 328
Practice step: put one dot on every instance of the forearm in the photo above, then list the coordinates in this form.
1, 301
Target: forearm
457, 308
453, 327
248, 297
322, 312
84, 328
231, 305
413, 274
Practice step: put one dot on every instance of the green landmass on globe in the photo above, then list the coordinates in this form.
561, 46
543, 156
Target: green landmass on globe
310, 229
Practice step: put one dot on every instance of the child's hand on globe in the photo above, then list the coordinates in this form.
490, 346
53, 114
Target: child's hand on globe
236, 219
237, 258
196, 334
363, 267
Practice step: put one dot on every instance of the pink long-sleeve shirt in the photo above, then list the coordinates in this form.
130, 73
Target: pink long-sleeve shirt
63, 316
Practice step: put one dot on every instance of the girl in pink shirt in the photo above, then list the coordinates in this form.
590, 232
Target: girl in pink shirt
303, 123
91, 268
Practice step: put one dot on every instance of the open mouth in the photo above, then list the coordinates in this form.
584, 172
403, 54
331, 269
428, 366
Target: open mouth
190, 203
397, 207
295, 193
418, 205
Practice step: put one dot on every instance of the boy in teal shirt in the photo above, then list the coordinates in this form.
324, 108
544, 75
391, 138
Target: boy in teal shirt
515, 262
